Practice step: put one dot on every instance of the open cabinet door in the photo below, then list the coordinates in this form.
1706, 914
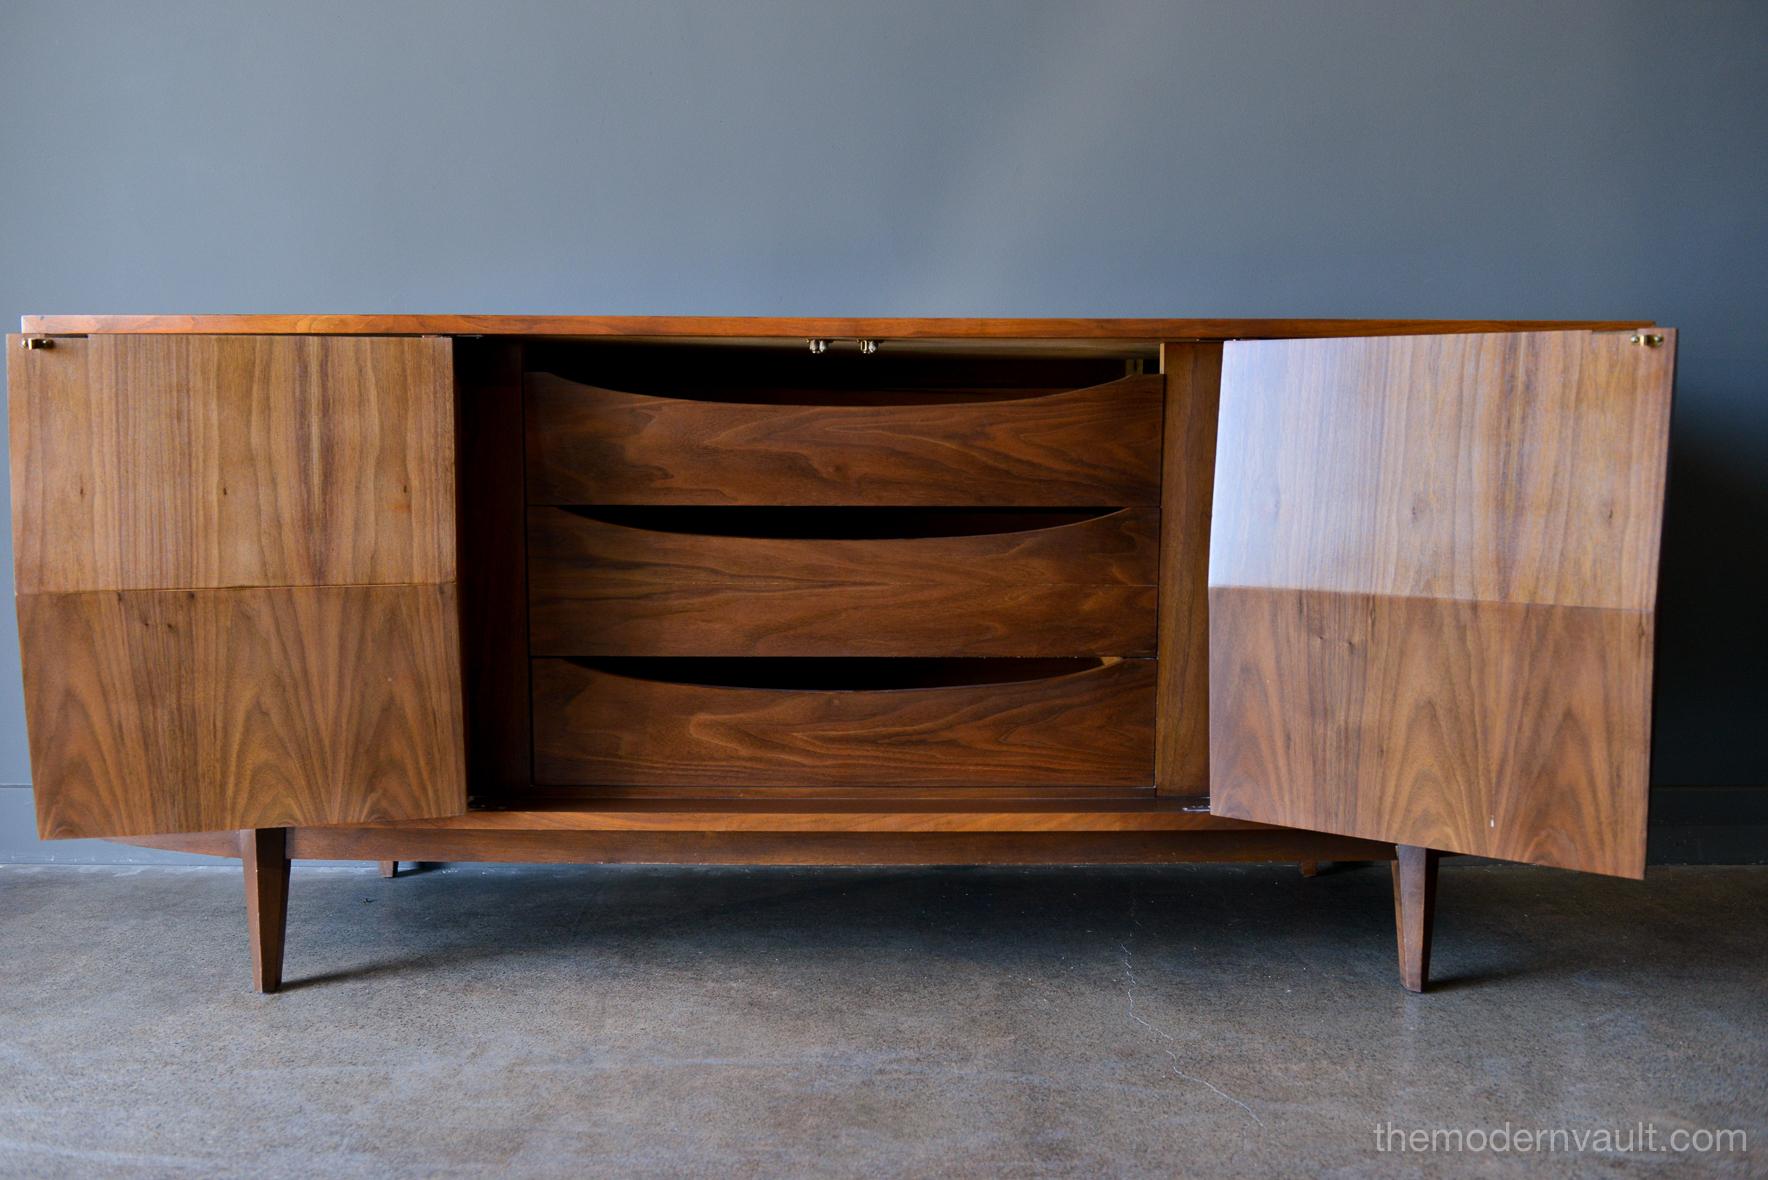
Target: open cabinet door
1432, 583
235, 562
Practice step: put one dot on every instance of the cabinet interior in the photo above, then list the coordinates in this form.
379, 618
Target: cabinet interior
518, 544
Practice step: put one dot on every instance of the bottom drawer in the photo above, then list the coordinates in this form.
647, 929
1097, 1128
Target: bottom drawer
827, 722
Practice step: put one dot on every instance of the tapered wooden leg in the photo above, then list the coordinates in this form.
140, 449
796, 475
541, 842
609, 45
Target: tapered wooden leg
1308, 867
264, 852
1415, 879
389, 868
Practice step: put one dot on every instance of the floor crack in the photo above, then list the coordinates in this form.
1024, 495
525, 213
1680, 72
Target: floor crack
1131, 984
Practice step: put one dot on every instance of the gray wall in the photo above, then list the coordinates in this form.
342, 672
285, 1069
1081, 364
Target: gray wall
1545, 158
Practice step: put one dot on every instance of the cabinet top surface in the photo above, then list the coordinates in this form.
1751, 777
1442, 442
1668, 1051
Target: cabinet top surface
1148, 330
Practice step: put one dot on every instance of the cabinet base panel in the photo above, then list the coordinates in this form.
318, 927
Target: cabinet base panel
266, 856
795, 848
1141, 830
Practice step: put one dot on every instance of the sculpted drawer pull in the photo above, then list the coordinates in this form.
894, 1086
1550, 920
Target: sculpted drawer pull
843, 675
863, 523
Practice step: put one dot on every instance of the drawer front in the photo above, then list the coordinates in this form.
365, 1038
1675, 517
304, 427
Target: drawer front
788, 723
1092, 447
972, 584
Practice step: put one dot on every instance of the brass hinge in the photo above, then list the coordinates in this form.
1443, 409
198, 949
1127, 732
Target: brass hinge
1647, 339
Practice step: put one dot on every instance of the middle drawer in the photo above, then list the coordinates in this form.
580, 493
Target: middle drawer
614, 582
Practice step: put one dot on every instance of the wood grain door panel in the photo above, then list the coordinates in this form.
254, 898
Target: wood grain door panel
193, 462
236, 577
1432, 584
1086, 728
1094, 447
1004, 584
198, 710
1504, 729
1525, 467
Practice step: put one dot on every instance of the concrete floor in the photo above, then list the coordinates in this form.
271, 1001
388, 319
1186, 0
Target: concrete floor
869, 1023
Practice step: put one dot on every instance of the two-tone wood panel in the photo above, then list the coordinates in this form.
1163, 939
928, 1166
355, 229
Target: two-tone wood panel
843, 582
236, 566
1432, 583
1023, 723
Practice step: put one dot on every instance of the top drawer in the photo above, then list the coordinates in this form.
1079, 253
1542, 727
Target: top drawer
1091, 447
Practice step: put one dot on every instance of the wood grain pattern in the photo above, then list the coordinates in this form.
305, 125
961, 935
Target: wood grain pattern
571, 796
1193, 386
1431, 584
1508, 730
189, 711
466, 839
1111, 810
1095, 447
174, 462
827, 848
830, 848
792, 327
1090, 727
1105, 811
1082, 586
1518, 468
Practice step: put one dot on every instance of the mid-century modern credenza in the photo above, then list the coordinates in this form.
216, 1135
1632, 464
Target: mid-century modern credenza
840, 591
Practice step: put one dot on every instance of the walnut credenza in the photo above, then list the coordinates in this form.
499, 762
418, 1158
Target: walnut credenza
815, 591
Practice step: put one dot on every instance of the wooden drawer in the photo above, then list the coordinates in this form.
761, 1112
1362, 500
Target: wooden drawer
1092, 447
717, 723
842, 582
